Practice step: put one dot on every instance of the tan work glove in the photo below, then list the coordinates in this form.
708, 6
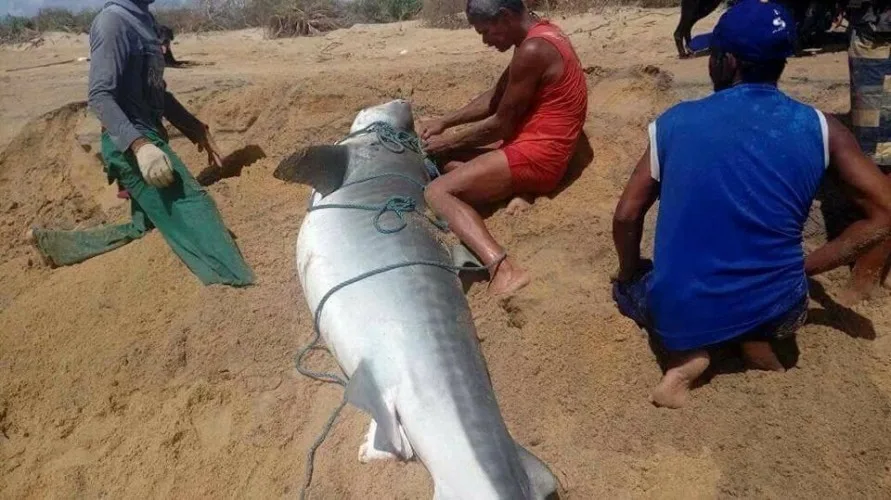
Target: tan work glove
155, 165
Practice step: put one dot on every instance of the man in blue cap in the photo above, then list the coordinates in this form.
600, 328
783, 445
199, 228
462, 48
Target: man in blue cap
735, 174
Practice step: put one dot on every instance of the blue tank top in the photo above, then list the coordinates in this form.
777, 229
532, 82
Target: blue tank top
738, 171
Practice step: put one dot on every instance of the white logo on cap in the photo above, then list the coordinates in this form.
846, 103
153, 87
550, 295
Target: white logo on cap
778, 22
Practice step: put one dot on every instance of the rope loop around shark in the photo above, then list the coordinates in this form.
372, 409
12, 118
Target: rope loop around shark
392, 312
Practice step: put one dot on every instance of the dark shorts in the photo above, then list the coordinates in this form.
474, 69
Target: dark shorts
631, 299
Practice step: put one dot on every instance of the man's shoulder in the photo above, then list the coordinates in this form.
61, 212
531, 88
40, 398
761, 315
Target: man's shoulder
535, 46
797, 103
683, 110
108, 20
535, 53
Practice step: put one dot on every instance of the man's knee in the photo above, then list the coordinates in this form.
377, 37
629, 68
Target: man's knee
435, 191
452, 166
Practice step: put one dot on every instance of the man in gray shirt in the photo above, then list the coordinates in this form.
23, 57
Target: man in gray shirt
128, 94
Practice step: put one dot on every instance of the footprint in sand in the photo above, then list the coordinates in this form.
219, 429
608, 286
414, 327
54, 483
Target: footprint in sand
214, 426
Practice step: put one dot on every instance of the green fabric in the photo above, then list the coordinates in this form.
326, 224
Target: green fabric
183, 212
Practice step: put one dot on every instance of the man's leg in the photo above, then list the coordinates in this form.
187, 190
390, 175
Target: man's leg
763, 347
188, 219
759, 355
870, 66
673, 391
457, 159
64, 248
485, 179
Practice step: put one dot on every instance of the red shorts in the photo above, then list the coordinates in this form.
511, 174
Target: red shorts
531, 176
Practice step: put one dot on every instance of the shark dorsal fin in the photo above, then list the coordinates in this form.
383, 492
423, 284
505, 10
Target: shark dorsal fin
322, 167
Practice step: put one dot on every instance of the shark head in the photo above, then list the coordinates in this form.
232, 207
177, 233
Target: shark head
396, 113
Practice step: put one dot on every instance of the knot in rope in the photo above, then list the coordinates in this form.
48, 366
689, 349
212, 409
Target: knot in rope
399, 205
398, 141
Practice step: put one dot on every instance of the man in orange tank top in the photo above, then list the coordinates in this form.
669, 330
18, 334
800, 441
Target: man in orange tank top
534, 113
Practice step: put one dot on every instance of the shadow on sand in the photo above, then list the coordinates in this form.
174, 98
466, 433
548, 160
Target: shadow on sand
233, 164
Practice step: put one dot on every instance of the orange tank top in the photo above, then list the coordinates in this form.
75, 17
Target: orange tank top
558, 113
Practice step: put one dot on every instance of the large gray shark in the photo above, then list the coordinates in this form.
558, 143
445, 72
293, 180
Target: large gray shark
405, 338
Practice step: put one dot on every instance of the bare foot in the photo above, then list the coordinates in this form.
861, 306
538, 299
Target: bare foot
759, 355
673, 390
508, 279
518, 205
855, 292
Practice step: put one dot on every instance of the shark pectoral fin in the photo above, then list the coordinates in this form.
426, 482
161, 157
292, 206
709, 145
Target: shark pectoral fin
544, 483
463, 257
363, 392
322, 167
368, 452
376, 446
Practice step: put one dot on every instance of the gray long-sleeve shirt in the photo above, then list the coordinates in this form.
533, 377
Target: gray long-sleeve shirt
127, 88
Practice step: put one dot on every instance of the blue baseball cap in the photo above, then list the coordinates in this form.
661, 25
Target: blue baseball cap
756, 31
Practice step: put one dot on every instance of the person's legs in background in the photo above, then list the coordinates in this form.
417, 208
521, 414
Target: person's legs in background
869, 62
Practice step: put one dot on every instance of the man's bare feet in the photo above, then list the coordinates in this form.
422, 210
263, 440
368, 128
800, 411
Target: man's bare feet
518, 205
508, 278
857, 290
673, 390
759, 355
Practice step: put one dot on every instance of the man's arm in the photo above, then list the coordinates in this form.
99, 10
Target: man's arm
477, 109
639, 195
109, 51
480, 107
183, 120
530, 61
871, 190
193, 128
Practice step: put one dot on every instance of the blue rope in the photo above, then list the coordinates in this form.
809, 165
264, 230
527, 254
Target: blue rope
397, 142
333, 378
399, 205
387, 174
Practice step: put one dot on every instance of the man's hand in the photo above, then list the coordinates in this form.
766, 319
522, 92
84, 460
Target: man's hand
622, 275
206, 143
153, 163
626, 275
870, 190
138, 143
430, 128
437, 145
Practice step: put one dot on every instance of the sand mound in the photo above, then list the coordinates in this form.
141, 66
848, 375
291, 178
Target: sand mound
122, 376
47, 176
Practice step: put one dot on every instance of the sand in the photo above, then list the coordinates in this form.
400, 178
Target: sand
124, 377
